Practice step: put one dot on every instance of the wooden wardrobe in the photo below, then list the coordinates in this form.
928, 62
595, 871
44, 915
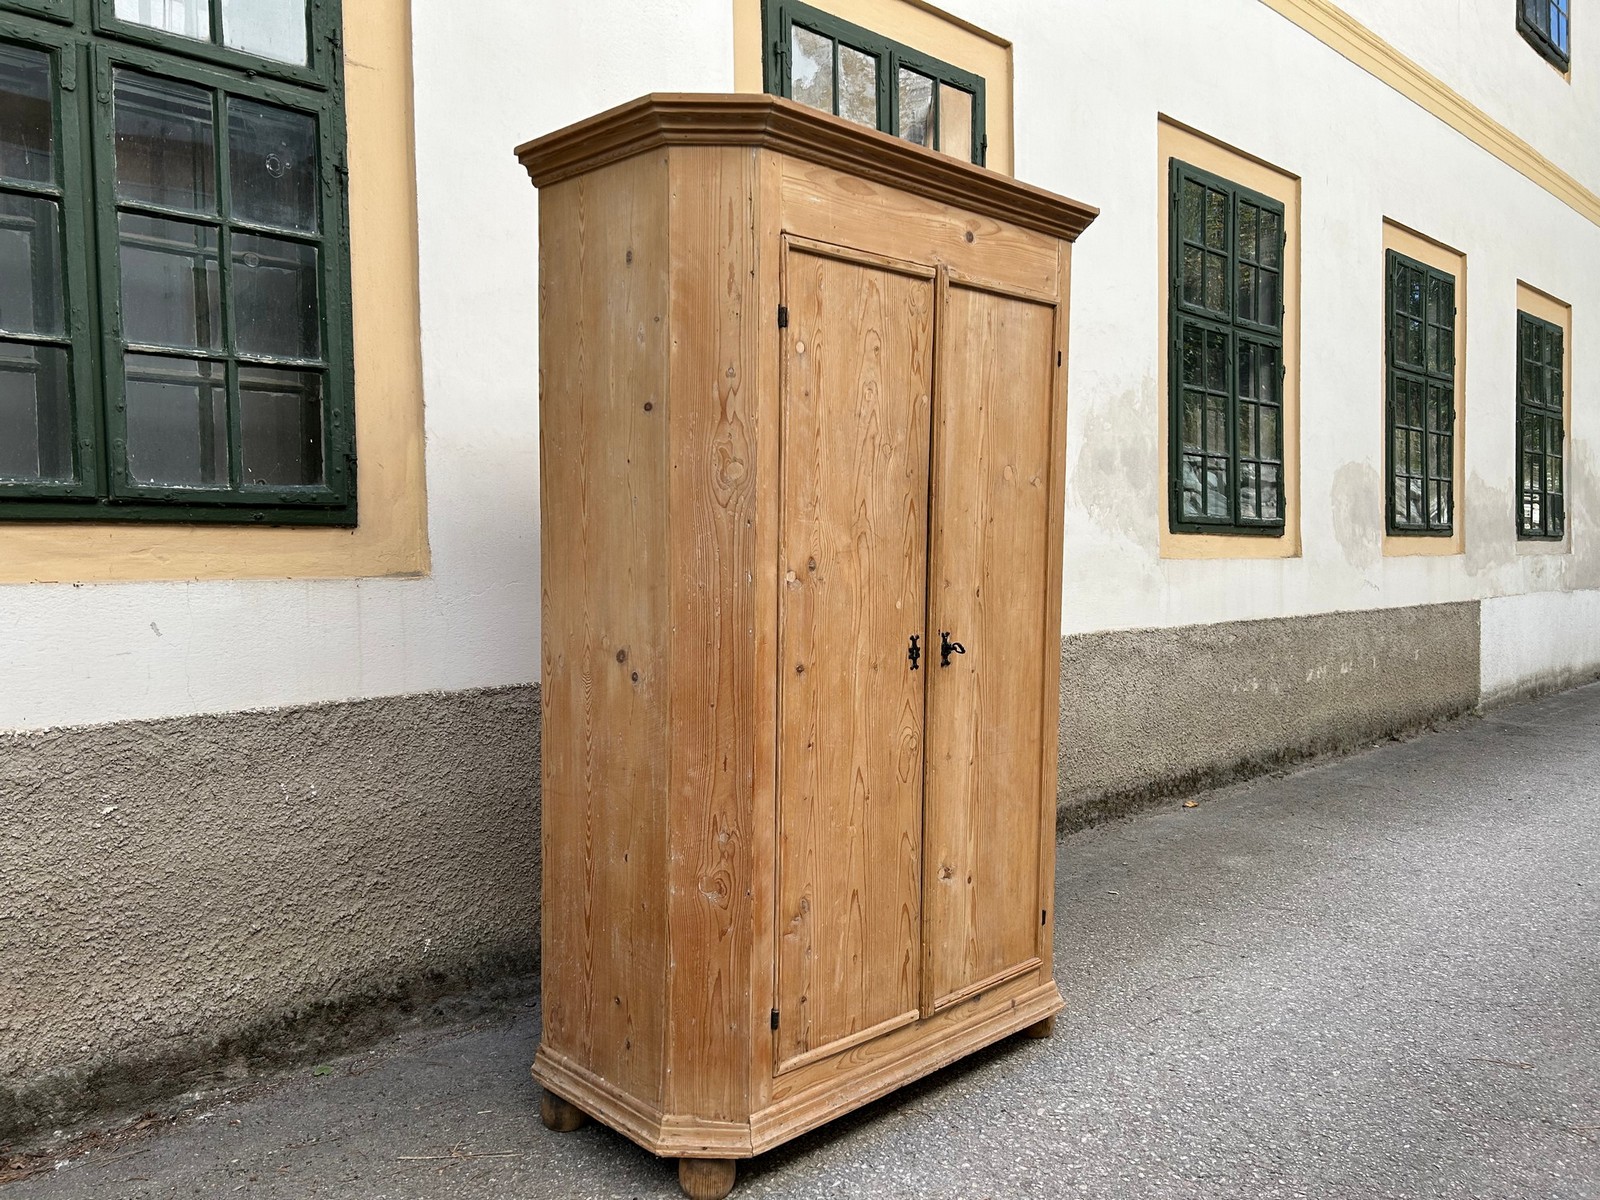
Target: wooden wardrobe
803, 416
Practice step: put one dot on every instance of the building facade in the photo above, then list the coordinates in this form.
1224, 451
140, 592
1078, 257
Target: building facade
272, 653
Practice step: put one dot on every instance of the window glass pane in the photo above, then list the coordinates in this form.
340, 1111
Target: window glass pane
272, 165
1192, 275
165, 143
811, 68
177, 421
275, 297
30, 265
274, 29
1193, 202
1216, 230
1271, 235
955, 122
1217, 488
27, 136
916, 107
1247, 232
1271, 494
280, 426
35, 413
858, 87
186, 18
170, 293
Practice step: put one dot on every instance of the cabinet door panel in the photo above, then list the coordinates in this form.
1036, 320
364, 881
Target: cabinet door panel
858, 365
988, 588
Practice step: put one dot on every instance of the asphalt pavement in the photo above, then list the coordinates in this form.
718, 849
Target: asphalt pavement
1378, 977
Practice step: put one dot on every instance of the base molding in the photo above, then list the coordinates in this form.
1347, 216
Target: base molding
674, 1135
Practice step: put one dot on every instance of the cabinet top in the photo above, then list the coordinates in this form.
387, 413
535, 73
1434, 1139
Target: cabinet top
769, 122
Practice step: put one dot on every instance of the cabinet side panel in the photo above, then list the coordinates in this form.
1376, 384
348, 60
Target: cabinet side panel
603, 358
713, 500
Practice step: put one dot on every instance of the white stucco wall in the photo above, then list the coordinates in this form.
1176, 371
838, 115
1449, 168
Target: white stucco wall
1537, 641
1090, 80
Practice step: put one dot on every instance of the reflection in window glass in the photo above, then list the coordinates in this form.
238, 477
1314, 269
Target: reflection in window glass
274, 29
26, 135
955, 122
858, 87
275, 297
30, 265
272, 165
170, 290
165, 143
916, 107
35, 413
812, 77
186, 18
280, 426
177, 413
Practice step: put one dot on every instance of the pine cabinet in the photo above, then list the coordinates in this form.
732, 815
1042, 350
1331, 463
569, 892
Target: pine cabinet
802, 409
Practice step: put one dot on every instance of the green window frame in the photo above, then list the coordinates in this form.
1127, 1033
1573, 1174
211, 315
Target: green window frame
1541, 429
1421, 398
1225, 356
180, 205
909, 94
1546, 25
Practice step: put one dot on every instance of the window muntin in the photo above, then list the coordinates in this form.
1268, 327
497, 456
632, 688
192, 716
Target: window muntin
1421, 397
1541, 429
1226, 355
820, 60
208, 378
1547, 26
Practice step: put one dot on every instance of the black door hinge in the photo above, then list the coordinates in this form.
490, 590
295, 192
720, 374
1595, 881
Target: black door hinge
783, 316
1058, 358
774, 1018
1043, 913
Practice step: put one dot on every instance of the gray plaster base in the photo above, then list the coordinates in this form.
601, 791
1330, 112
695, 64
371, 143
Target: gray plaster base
1149, 713
188, 899
192, 899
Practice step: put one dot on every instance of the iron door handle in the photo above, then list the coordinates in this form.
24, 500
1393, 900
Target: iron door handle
915, 652
947, 648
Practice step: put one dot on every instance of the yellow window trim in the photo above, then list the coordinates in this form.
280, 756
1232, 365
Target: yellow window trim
1453, 262
392, 537
1339, 31
912, 23
1539, 303
1174, 140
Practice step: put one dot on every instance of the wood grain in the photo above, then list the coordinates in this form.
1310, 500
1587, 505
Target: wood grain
833, 206
603, 360
988, 587
751, 804
711, 498
859, 364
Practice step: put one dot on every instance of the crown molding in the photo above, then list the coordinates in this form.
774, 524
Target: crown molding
772, 123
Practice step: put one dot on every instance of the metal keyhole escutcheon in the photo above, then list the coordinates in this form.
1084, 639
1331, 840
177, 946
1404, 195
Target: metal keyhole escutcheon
947, 648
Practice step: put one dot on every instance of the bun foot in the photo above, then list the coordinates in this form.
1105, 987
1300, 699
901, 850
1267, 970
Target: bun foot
705, 1178
1040, 1030
558, 1115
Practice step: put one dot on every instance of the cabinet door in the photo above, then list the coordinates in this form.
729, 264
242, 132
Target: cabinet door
857, 377
989, 583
